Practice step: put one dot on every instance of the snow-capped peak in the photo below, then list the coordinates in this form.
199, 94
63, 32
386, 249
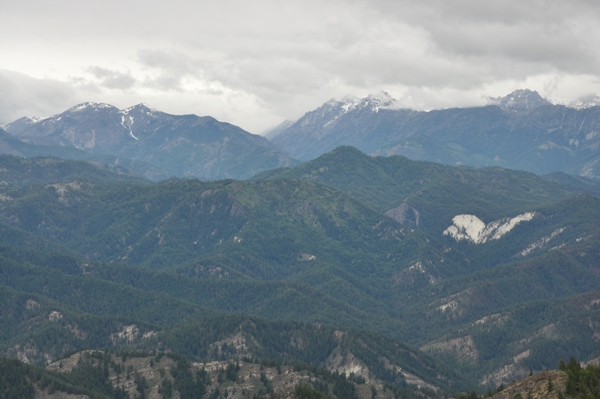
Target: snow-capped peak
21, 124
381, 100
520, 100
373, 102
142, 107
589, 101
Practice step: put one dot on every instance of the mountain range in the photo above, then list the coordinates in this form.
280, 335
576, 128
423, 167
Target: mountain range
170, 145
519, 131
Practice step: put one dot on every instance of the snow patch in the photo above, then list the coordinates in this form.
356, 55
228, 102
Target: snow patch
585, 102
471, 228
128, 126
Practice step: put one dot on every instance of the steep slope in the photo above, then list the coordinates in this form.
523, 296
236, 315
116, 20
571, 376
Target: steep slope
541, 140
186, 145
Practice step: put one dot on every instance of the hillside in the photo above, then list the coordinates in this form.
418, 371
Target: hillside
10, 145
494, 274
427, 193
21, 172
97, 374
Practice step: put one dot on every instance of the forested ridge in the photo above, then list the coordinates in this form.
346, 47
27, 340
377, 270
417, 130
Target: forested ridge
303, 266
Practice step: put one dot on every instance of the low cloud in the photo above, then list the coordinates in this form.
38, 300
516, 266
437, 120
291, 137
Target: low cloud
26, 96
112, 79
277, 60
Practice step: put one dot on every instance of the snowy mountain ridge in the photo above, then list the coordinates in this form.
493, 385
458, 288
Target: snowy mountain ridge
519, 100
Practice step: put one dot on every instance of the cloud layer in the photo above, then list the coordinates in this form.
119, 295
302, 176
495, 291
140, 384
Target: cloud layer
256, 63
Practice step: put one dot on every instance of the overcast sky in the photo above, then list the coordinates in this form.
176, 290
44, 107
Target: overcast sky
255, 63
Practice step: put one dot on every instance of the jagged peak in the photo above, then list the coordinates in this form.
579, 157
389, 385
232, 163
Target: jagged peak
20, 124
521, 99
381, 100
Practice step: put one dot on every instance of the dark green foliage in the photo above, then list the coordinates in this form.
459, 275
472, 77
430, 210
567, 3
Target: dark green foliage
21, 172
231, 371
438, 192
190, 385
90, 377
471, 395
304, 391
182, 254
14, 382
342, 388
166, 389
582, 382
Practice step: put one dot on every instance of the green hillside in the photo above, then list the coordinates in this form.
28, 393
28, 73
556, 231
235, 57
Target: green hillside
289, 263
436, 192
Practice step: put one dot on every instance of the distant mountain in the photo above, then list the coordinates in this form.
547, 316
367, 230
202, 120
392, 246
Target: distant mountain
22, 172
274, 131
13, 146
519, 131
21, 124
367, 124
185, 146
520, 100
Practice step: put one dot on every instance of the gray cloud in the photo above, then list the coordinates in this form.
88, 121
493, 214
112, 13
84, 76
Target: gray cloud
266, 60
26, 96
112, 79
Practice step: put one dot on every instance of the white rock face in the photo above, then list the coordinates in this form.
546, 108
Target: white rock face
541, 242
471, 228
